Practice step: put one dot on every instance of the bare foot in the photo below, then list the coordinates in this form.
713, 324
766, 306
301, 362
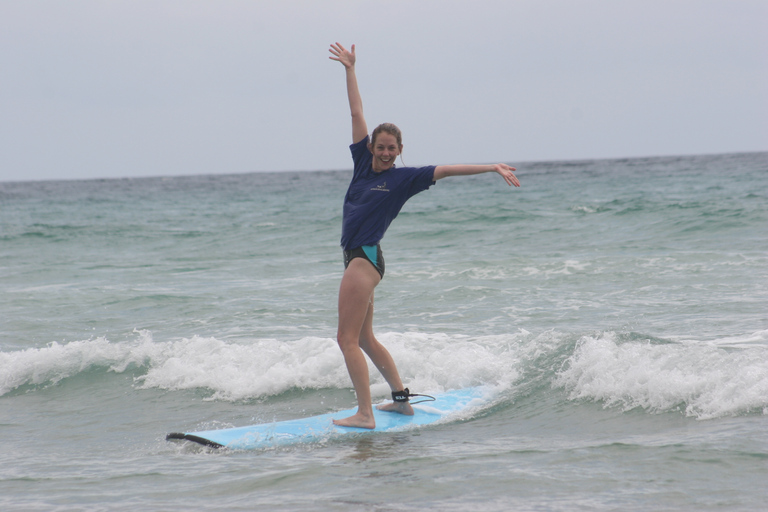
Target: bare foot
398, 407
358, 420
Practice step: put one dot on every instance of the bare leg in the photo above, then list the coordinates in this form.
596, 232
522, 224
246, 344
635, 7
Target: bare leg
383, 360
355, 293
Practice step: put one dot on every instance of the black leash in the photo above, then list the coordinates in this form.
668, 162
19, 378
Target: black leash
405, 395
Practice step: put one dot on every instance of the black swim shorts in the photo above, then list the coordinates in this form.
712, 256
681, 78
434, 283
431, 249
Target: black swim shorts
371, 253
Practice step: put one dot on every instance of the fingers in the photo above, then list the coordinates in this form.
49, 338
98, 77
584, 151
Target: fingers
511, 178
341, 54
338, 51
506, 173
337, 48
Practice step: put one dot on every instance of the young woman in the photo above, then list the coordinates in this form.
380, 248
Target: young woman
375, 196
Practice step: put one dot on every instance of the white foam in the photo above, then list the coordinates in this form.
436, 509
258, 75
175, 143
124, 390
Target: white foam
430, 362
266, 367
58, 361
240, 371
700, 378
704, 379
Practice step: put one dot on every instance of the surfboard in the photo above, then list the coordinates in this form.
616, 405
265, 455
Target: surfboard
321, 428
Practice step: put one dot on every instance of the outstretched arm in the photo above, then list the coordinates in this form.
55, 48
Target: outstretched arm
443, 171
347, 58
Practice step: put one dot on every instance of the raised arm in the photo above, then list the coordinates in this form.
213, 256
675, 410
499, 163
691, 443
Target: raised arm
347, 58
443, 171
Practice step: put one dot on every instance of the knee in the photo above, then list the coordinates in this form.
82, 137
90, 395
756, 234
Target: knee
347, 342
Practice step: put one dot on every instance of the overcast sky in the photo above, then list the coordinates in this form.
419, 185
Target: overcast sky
94, 89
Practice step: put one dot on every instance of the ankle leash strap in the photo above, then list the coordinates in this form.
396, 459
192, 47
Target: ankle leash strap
405, 395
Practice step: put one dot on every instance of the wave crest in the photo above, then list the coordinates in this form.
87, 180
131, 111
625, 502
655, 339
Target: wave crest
704, 380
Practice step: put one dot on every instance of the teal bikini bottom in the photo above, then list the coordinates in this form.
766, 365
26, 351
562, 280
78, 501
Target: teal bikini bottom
371, 253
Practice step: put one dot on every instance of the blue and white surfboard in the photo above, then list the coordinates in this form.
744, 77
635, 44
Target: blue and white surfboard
317, 428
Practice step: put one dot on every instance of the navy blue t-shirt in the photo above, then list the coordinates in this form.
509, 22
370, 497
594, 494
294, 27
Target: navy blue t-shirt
373, 199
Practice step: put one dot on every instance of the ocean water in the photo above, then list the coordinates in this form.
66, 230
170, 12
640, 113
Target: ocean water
618, 309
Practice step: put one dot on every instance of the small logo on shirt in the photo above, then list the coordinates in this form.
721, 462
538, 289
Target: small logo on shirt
381, 188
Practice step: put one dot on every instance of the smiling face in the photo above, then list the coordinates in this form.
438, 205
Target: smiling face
384, 150
386, 144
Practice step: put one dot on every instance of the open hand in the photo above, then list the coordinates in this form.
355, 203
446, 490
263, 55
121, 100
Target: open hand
506, 173
343, 55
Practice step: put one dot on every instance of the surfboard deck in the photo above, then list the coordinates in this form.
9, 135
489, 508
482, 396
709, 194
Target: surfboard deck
321, 428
